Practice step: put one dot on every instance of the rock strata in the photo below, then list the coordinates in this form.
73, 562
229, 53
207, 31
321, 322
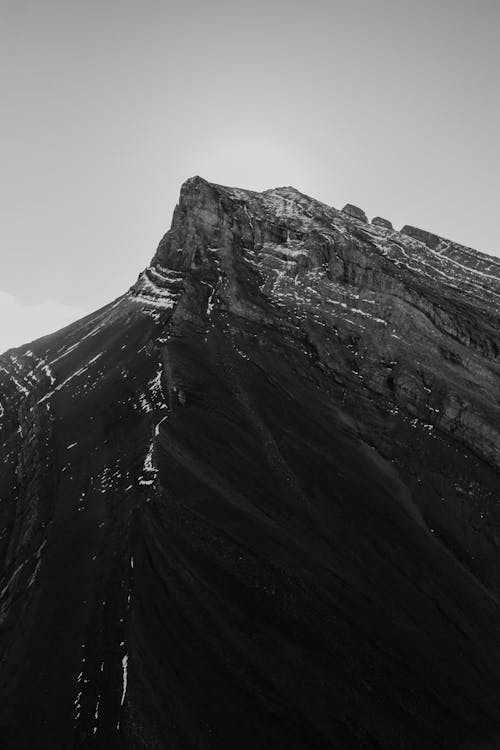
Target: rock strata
379, 221
355, 212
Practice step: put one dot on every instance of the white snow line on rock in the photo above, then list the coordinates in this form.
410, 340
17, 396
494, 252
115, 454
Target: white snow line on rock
21, 388
124, 678
93, 332
80, 371
157, 426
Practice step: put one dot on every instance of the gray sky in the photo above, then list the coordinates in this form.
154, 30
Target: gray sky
109, 105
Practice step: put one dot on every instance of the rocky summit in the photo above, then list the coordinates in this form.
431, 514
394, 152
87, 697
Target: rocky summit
254, 502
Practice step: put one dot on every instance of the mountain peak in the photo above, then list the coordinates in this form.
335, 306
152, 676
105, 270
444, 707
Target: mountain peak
262, 480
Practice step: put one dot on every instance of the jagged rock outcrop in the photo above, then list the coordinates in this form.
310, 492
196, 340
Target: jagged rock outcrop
379, 221
427, 238
253, 502
355, 212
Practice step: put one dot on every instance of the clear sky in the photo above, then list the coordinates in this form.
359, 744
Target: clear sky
109, 105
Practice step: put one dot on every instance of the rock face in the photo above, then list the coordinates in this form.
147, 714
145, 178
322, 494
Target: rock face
427, 238
355, 212
378, 221
253, 502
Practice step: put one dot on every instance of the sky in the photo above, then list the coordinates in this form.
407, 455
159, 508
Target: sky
109, 105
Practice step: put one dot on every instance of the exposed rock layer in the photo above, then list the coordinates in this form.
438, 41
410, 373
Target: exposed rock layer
381, 222
355, 212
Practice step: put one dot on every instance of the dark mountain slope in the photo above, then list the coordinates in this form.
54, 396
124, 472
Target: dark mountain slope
254, 502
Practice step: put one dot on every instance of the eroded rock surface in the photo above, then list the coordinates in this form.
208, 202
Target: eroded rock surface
379, 221
355, 212
253, 502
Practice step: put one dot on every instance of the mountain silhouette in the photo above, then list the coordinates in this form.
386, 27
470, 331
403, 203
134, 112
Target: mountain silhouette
253, 502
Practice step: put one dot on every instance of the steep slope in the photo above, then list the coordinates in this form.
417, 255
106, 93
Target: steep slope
253, 502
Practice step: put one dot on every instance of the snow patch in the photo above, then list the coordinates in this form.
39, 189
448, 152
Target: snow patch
124, 678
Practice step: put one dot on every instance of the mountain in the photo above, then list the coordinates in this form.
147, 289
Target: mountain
253, 503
